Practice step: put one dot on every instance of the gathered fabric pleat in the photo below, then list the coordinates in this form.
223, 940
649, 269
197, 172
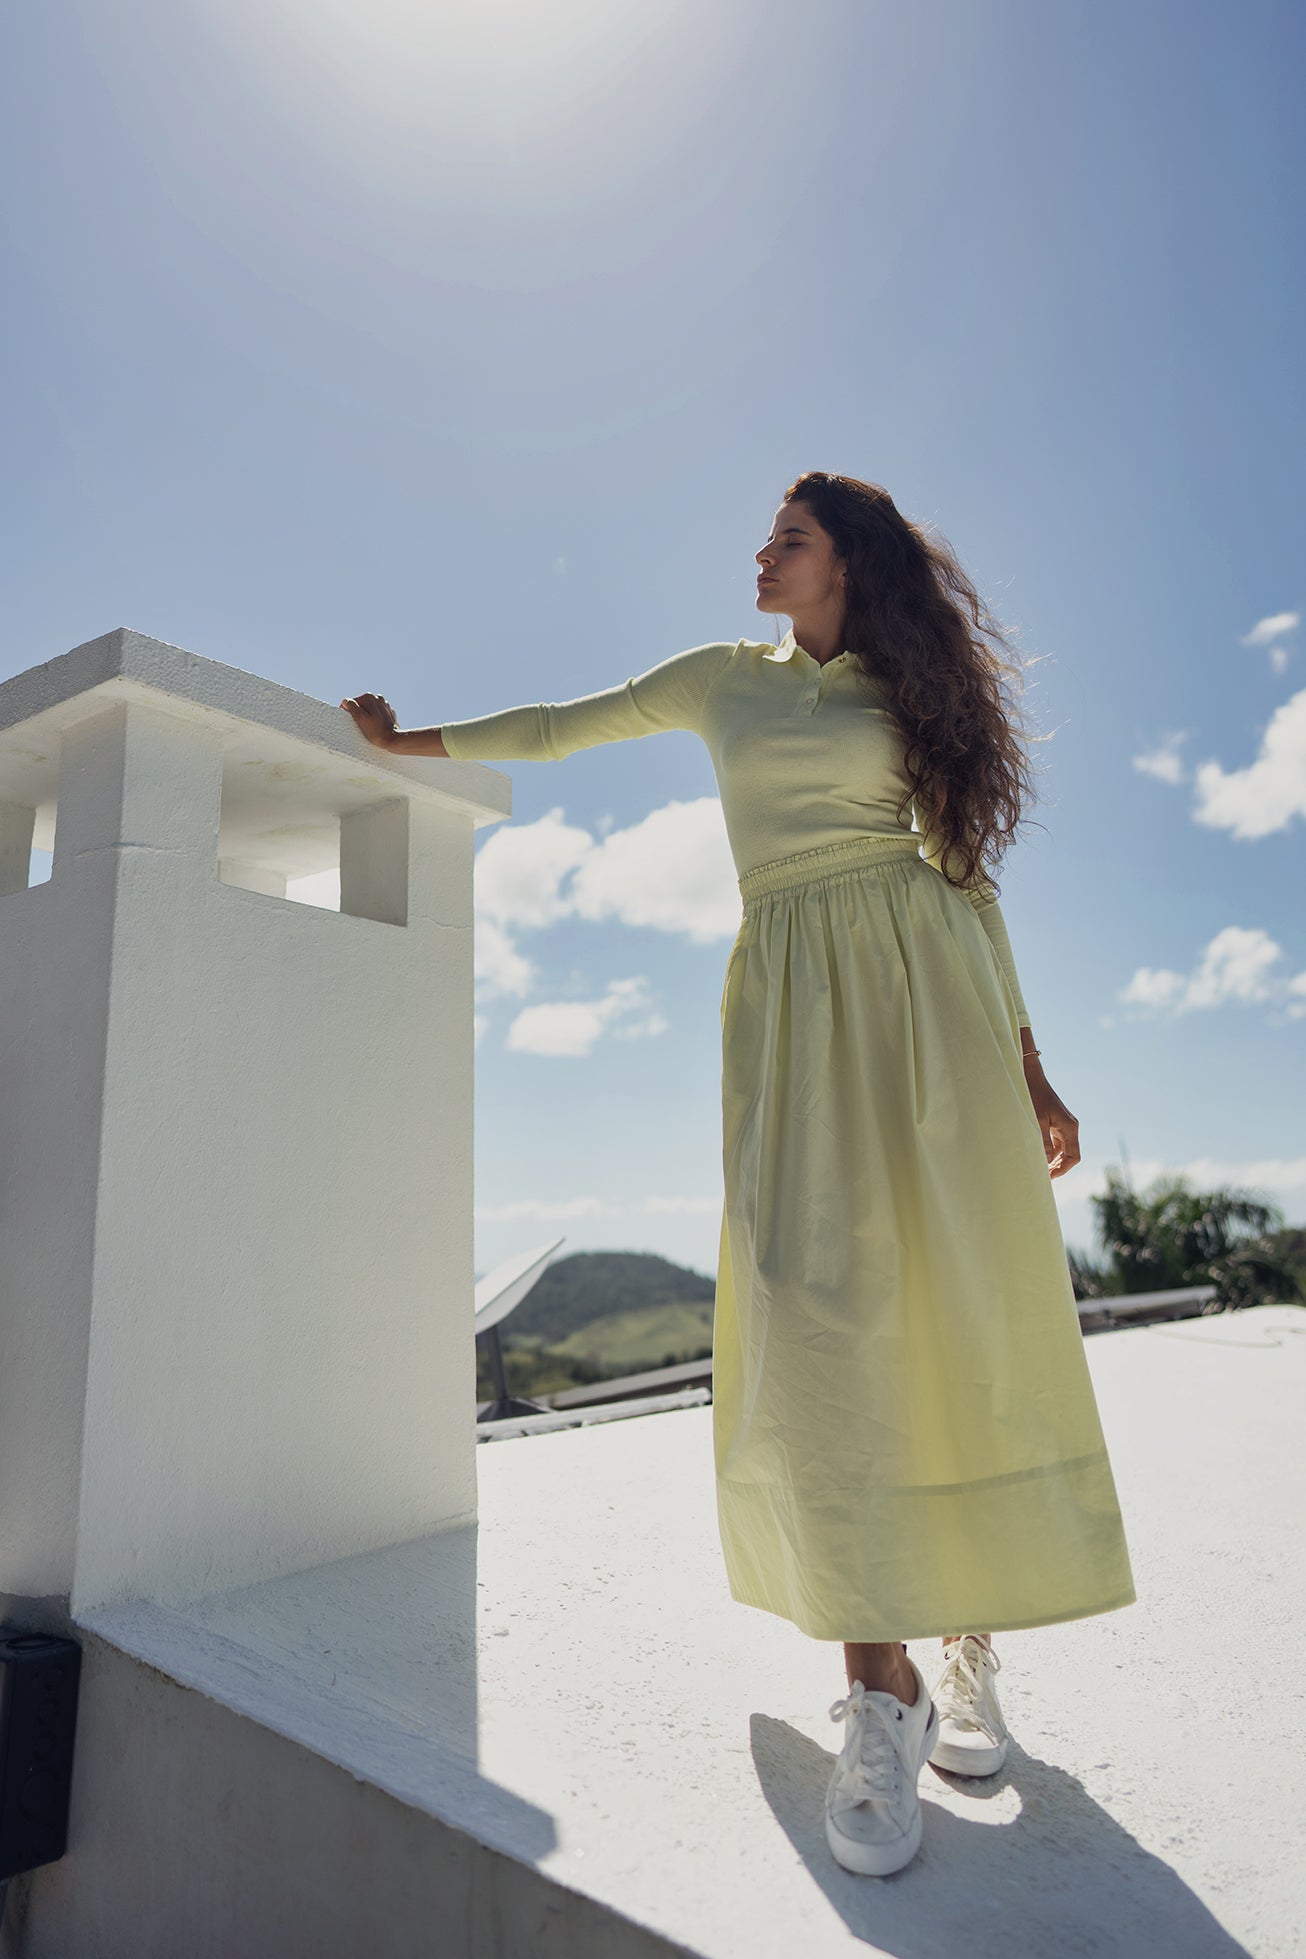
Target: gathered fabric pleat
906, 1437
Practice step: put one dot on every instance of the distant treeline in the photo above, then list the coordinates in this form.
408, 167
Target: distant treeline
1171, 1235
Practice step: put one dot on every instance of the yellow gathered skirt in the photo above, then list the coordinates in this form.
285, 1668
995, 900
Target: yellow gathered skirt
906, 1437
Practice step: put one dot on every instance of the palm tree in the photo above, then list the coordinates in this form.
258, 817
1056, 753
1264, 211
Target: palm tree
1171, 1235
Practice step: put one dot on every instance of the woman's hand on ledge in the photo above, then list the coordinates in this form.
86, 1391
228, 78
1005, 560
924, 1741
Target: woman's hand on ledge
375, 719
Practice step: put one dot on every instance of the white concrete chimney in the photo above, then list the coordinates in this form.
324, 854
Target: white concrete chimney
236, 1298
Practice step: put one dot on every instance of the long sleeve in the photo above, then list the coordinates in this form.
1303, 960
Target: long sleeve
984, 899
671, 695
990, 914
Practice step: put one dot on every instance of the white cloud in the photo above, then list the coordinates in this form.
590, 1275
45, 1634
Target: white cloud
1237, 966
1279, 1180
479, 1024
565, 1027
1269, 632
1266, 631
500, 967
549, 1210
1297, 997
573, 1027
639, 1030
1154, 986
539, 1211
1269, 792
672, 871
1234, 966
1163, 761
521, 869
1275, 1180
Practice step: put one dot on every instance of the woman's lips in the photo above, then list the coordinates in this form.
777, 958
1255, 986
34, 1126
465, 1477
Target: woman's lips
764, 579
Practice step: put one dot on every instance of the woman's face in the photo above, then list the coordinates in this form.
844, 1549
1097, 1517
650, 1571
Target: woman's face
799, 572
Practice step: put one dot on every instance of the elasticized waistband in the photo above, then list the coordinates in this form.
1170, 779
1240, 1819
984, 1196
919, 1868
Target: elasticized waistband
827, 860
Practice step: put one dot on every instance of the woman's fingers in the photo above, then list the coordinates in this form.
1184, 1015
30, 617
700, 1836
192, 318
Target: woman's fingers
1065, 1132
372, 715
1058, 1128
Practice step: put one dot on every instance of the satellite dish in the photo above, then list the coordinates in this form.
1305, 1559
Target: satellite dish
496, 1295
508, 1284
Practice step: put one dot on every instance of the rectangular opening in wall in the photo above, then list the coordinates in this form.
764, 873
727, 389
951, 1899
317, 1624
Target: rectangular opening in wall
278, 829
312, 829
26, 838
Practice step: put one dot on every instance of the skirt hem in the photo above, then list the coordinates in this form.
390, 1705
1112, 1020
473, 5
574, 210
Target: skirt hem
938, 1629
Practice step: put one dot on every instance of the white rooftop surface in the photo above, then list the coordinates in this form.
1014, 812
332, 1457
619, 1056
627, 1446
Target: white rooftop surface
578, 1688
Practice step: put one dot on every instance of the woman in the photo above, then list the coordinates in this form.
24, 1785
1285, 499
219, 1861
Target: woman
906, 1438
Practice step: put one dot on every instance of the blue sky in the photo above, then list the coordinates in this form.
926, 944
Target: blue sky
462, 352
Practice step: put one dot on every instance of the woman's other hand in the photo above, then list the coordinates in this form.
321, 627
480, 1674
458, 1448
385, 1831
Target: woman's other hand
1060, 1129
375, 717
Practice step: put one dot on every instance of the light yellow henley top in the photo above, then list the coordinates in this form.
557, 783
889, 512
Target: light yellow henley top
804, 754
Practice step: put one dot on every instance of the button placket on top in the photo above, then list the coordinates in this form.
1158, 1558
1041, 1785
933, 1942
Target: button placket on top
809, 699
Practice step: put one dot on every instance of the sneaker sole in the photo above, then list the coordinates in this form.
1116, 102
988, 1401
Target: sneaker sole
880, 1859
968, 1761
873, 1859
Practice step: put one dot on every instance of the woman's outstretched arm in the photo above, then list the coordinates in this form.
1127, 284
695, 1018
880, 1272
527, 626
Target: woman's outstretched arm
671, 695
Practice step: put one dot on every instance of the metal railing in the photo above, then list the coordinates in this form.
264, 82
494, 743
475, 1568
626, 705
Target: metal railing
689, 1382
1138, 1308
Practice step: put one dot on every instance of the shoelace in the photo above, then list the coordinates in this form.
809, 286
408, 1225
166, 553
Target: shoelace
965, 1693
873, 1774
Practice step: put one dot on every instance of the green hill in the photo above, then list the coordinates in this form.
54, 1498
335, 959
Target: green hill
586, 1287
598, 1315
624, 1343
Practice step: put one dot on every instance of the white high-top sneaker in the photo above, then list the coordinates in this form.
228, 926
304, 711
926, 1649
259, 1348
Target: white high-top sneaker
872, 1811
972, 1737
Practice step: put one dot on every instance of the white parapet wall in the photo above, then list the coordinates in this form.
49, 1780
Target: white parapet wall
236, 1283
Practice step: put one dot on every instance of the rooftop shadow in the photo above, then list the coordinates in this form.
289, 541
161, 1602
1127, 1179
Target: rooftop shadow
369, 1661
1058, 1877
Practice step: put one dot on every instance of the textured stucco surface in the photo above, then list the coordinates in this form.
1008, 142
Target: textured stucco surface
236, 1290
571, 1683
199, 1835
291, 763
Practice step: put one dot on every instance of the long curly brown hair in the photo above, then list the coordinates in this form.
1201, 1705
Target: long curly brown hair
916, 622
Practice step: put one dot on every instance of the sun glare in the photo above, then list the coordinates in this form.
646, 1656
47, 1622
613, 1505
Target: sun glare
403, 85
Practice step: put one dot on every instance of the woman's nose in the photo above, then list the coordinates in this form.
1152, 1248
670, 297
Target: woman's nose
764, 557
